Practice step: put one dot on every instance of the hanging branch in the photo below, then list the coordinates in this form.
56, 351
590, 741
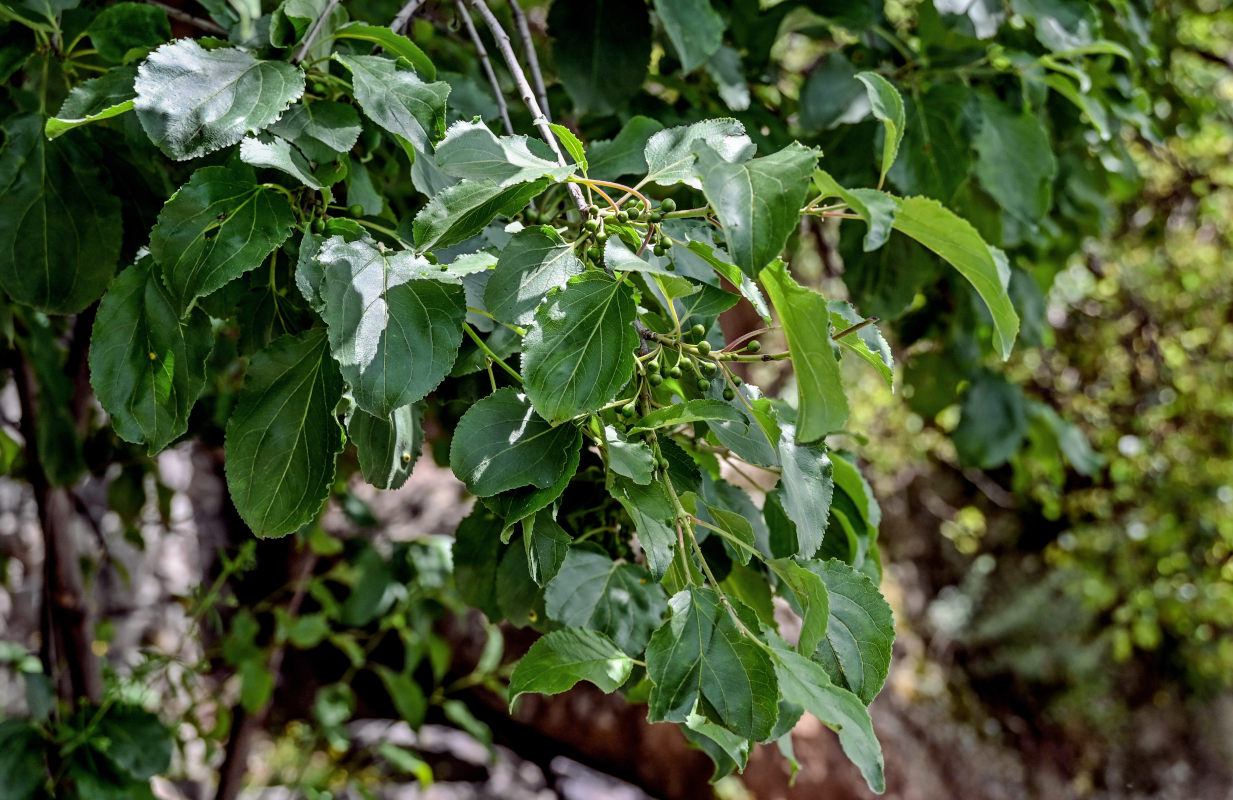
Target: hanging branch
528, 95
312, 35
524, 32
403, 17
182, 16
486, 64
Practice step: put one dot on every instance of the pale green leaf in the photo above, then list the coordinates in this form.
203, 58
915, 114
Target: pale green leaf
393, 43
693, 27
887, 106
866, 343
560, 659
464, 209
535, 261
690, 411
670, 153
395, 321
617, 599
472, 152
265, 150
388, 446
652, 512
580, 351
397, 100
633, 459
104, 97
192, 101
805, 479
323, 130
147, 366
809, 591
571, 143
283, 436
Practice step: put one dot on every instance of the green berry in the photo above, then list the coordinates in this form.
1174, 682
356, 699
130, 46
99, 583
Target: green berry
665, 243
602, 237
709, 368
655, 379
674, 371
671, 267
591, 225
356, 210
663, 463
628, 410
698, 330
704, 347
729, 394
652, 367
703, 384
737, 380
655, 216
318, 225
754, 346
622, 216
658, 250
318, 87
592, 210
668, 205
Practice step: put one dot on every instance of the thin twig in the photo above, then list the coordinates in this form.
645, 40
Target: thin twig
197, 22
312, 34
524, 32
528, 95
403, 17
487, 65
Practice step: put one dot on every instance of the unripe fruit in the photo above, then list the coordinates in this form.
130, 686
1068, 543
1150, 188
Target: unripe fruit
591, 225
736, 379
674, 371
704, 347
356, 210
668, 205
652, 367
729, 394
627, 410
655, 379
663, 463
709, 368
592, 210
703, 384
658, 250
318, 225
754, 346
698, 330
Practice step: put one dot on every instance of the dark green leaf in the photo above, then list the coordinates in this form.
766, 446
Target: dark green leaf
193, 101
124, 27
620, 600
323, 130
397, 100
395, 321
812, 602
406, 695
958, 243
822, 406
652, 512
147, 366
388, 446
471, 151
831, 95
624, 154
580, 351
59, 227
935, 156
516, 504
283, 437
464, 209
687, 412
693, 27
218, 226
699, 656
1014, 159
476, 554
859, 632
806, 684
137, 743
562, 658
22, 758
393, 43
534, 262
758, 201
601, 51
546, 544
501, 444
670, 154
993, 421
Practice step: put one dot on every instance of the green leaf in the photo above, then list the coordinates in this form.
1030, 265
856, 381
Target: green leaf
471, 151
560, 659
859, 632
1014, 159
395, 321
737, 527
580, 351
670, 154
476, 555
464, 209
822, 406
124, 27
727, 750
699, 656
624, 154
283, 437
935, 156
634, 460
60, 229
848, 479
726, 69
293, 19
535, 261
887, 106
137, 743
519, 597
809, 591
501, 444
992, 422
275, 152
104, 97
516, 504
866, 343
693, 27
23, 758
397, 100
876, 208
38, 14
758, 201
405, 694
805, 683
601, 51
146, 366
218, 226
688, 412
546, 544
1060, 25
192, 101
617, 599
652, 512
805, 477
323, 130
388, 446
831, 95
958, 243
571, 143
393, 43
755, 436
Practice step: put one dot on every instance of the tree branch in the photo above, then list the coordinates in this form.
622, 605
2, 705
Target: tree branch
486, 64
312, 34
528, 95
197, 22
524, 32
403, 17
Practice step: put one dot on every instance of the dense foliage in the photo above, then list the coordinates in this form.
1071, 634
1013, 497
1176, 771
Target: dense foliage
303, 236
